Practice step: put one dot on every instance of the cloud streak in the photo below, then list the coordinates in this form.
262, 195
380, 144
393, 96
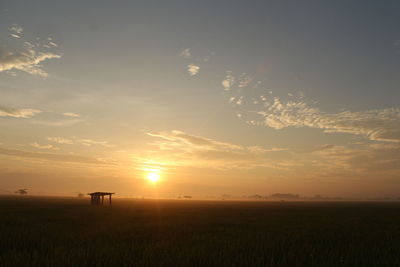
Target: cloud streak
71, 114
84, 142
27, 60
378, 125
16, 31
60, 140
39, 146
364, 159
28, 57
18, 113
196, 150
49, 156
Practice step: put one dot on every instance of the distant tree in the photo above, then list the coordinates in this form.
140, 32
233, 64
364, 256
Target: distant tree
256, 196
22, 192
285, 196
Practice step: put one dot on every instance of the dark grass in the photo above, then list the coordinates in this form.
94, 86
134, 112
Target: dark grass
69, 232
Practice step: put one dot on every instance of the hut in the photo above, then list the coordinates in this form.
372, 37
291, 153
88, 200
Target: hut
97, 198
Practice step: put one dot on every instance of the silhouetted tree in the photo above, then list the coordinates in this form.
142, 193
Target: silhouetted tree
22, 192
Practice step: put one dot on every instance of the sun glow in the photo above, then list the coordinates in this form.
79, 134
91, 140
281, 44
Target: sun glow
153, 176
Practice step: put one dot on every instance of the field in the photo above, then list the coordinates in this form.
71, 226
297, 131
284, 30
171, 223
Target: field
69, 232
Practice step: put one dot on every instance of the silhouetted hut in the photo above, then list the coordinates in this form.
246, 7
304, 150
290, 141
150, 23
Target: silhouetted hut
97, 198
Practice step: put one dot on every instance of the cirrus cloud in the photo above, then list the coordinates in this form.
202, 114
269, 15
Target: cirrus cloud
71, 114
27, 60
39, 146
195, 150
27, 57
378, 124
18, 113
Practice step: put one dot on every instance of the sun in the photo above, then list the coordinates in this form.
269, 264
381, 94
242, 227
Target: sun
153, 177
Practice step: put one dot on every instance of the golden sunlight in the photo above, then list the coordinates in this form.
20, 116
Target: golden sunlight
153, 176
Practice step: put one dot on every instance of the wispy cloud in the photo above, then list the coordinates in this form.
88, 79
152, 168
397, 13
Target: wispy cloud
27, 58
49, 156
328, 160
57, 123
186, 53
18, 113
89, 142
39, 146
379, 125
364, 159
182, 138
84, 142
15, 35
228, 81
193, 69
199, 151
374, 124
241, 81
71, 114
60, 140
16, 31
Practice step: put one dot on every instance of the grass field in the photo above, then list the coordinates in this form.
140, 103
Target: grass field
68, 232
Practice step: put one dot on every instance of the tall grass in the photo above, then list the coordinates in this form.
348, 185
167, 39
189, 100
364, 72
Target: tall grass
69, 232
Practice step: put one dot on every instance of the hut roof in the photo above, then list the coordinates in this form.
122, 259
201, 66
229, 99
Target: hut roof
100, 194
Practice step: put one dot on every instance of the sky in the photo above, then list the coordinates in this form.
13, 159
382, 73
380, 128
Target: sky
201, 98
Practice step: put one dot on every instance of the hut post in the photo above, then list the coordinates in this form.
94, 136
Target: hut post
97, 198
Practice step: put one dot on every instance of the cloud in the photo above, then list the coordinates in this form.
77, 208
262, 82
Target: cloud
365, 159
351, 160
28, 57
57, 123
71, 114
48, 156
239, 100
84, 142
36, 145
196, 150
15, 35
60, 140
228, 81
53, 44
27, 60
18, 113
242, 81
193, 141
88, 142
245, 81
186, 53
16, 31
378, 125
193, 69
